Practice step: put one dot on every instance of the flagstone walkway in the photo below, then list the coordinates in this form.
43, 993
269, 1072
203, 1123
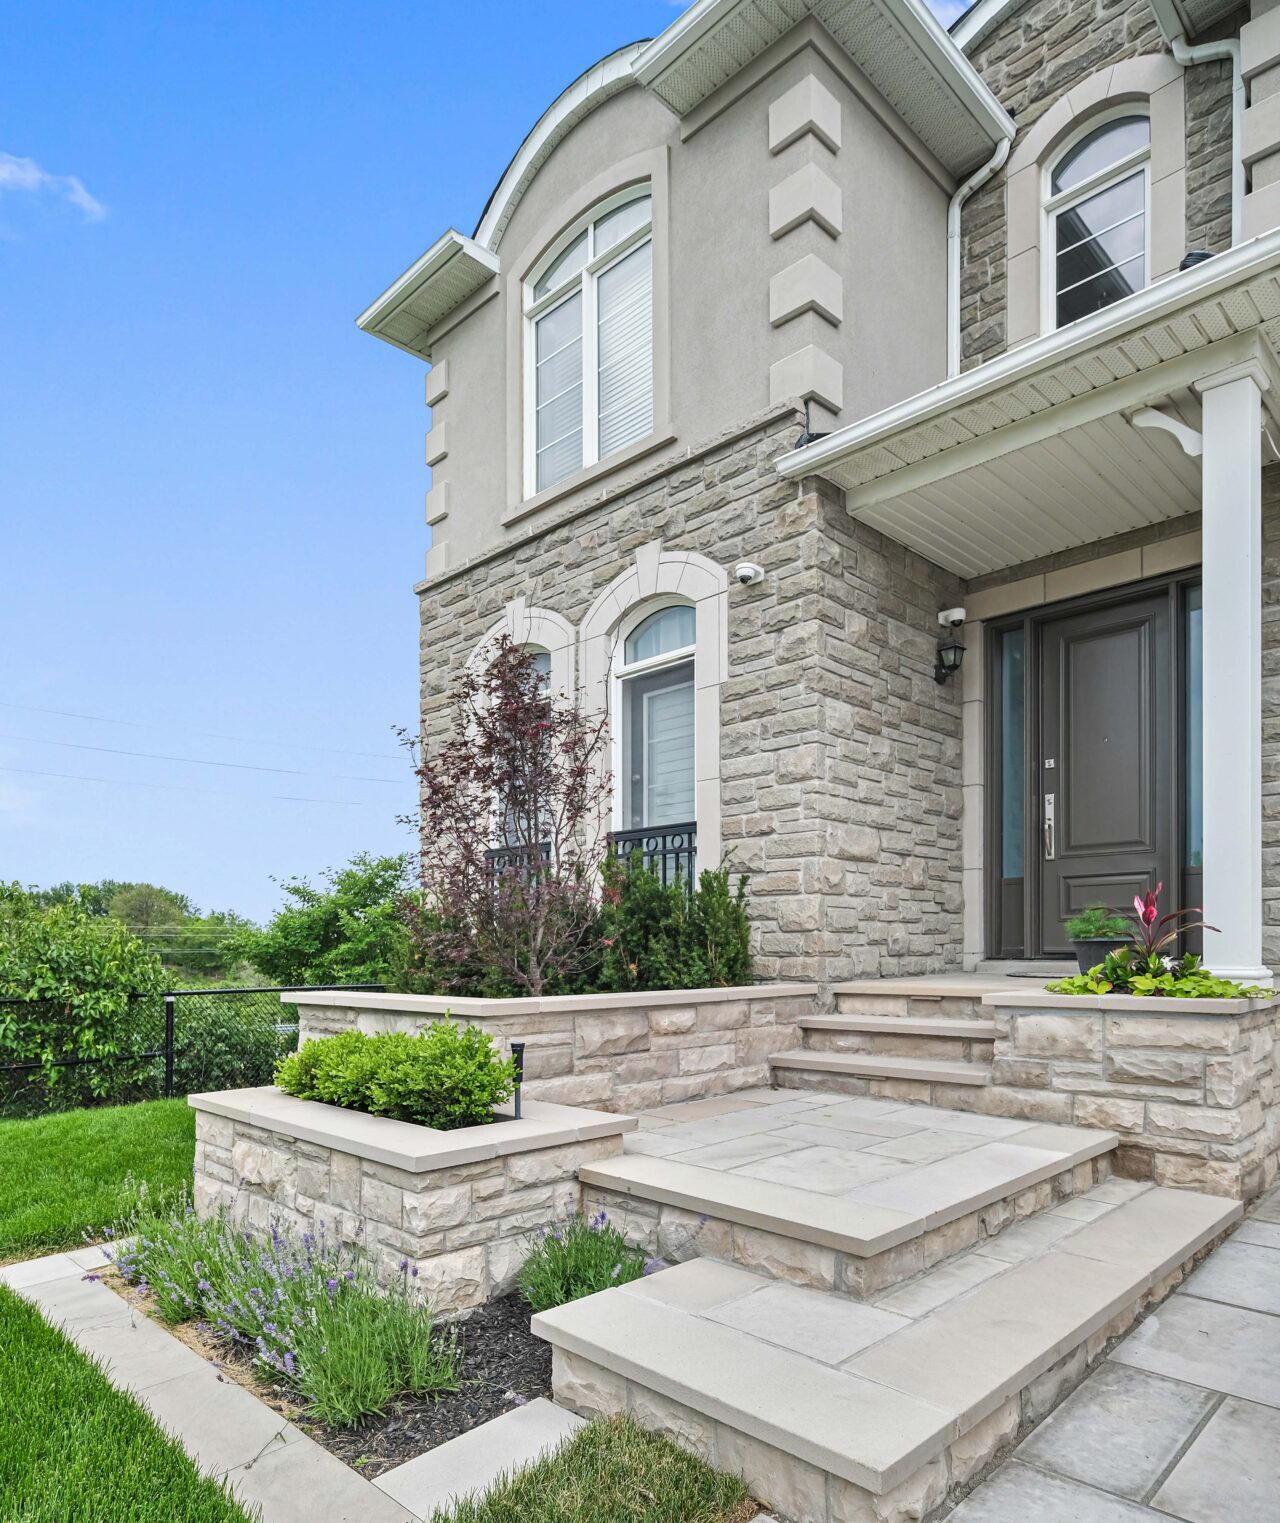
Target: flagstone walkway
1183, 1420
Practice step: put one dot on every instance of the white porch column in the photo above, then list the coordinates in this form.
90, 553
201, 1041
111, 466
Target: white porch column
1232, 540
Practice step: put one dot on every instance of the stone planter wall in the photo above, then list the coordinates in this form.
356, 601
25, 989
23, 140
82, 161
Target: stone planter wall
457, 1205
620, 1052
1190, 1085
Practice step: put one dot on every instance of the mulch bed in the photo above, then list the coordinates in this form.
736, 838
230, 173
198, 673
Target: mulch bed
502, 1366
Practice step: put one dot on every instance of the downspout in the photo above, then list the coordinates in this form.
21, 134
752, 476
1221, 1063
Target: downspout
975, 181
1209, 52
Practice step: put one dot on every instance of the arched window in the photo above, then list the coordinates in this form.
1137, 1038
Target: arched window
656, 686
1096, 205
589, 341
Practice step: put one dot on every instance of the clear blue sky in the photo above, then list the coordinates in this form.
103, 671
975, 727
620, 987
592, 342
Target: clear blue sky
210, 482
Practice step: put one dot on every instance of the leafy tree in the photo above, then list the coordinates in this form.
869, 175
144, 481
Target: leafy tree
67, 979
146, 908
513, 804
92, 898
351, 932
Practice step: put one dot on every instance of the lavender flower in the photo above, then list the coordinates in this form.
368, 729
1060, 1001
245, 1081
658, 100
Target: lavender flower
652, 1266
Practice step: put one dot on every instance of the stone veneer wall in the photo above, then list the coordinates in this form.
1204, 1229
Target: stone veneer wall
622, 1053
840, 755
462, 1227
1190, 1089
1035, 56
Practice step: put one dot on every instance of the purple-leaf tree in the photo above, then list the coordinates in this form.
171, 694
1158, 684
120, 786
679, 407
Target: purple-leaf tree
512, 828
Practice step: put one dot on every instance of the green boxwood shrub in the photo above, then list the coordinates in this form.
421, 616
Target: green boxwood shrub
448, 1076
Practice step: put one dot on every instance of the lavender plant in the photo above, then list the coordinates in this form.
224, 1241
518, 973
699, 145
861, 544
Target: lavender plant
577, 1258
307, 1309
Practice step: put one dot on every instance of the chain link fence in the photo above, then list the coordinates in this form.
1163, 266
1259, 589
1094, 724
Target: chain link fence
181, 1043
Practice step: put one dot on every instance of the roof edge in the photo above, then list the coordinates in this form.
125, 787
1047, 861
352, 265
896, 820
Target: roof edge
1213, 275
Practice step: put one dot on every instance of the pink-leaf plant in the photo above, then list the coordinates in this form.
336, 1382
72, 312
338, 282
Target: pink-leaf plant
1154, 933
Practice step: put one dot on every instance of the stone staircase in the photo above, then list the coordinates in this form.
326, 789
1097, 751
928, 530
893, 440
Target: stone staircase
836, 1411
925, 1040
863, 1354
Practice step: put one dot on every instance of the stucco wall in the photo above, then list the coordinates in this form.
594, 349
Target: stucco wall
720, 257
839, 753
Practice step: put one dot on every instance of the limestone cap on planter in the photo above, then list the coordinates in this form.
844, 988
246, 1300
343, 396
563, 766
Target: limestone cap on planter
444, 1004
403, 1144
1132, 1004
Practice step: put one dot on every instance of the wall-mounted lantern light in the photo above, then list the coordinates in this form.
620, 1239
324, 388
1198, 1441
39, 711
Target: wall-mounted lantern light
950, 647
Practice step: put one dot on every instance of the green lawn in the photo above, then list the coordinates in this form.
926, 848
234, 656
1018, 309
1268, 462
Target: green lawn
610, 1472
62, 1176
73, 1449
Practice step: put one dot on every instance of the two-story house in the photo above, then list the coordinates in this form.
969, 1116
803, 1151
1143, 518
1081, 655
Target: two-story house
880, 422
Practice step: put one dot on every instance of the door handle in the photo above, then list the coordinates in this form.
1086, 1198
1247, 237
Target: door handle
1048, 827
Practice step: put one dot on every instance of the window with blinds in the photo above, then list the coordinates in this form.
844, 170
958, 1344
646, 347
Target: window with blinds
657, 696
590, 313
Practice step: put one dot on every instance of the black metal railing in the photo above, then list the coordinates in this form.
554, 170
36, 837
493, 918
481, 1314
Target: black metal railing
162, 1045
505, 859
670, 851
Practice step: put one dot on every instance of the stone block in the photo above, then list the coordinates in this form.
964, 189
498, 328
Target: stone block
701, 1060
973, 1451
454, 1282
688, 1235
381, 1202
1051, 1035
503, 1261
1196, 1122
216, 1131
793, 1487
586, 1388
267, 1170
671, 1020
1186, 1033
1213, 1177
1108, 1113
611, 1032
431, 1210
659, 1414
784, 1258
916, 1497
1184, 1069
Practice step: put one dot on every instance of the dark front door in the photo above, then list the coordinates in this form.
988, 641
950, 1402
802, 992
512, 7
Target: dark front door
1106, 747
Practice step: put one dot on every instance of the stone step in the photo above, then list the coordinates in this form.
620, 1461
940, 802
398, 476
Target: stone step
833, 1410
893, 1025
873, 1234
860, 1065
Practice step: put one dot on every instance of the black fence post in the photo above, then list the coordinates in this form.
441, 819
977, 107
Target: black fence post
168, 1046
517, 1052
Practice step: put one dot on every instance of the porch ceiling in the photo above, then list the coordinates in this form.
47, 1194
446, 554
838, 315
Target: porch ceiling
1034, 452
1087, 483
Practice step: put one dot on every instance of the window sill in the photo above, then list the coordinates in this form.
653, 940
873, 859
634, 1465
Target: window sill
589, 475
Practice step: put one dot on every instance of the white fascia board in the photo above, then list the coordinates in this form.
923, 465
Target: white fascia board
420, 272
601, 80
1161, 300
912, 17
980, 20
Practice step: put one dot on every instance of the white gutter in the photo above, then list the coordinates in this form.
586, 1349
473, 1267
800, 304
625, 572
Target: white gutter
1210, 52
1162, 298
975, 181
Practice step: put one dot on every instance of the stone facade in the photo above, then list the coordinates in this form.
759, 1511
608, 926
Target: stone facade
839, 754
1030, 60
456, 1208
1189, 1085
622, 1053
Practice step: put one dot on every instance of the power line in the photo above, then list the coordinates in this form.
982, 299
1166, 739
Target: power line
131, 782
197, 761
143, 724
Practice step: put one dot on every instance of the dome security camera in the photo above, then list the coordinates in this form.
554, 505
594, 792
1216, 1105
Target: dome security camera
951, 618
748, 573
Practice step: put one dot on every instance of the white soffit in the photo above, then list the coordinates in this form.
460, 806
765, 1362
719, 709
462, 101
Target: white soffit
898, 44
1031, 453
452, 269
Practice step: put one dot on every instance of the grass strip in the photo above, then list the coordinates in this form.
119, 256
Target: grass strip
73, 1449
62, 1176
611, 1471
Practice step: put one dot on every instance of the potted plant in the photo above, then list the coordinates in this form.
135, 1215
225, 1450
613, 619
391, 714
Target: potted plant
1095, 932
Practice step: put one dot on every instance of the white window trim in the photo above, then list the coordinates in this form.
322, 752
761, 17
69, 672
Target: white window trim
541, 628
1052, 206
584, 280
623, 673
660, 577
